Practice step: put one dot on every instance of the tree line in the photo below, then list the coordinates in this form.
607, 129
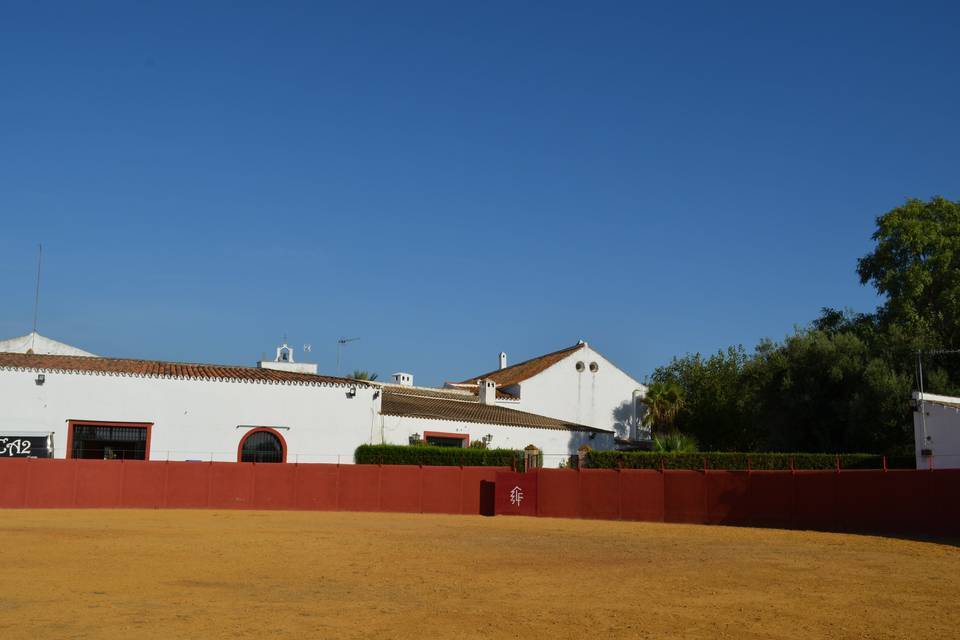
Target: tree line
841, 383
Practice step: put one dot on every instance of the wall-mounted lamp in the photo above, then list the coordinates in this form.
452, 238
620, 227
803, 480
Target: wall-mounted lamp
40, 379
352, 392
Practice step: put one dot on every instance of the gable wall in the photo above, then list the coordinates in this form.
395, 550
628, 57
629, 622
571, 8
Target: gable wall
603, 399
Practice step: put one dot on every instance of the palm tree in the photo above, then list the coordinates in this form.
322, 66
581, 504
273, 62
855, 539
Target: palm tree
663, 400
360, 374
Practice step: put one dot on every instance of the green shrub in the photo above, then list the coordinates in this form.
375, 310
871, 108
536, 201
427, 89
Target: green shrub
740, 461
437, 456
674, 442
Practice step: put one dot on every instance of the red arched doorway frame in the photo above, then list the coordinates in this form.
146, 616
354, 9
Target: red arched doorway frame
283, 443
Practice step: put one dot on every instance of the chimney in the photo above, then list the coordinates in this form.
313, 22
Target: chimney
488, 391
405, 379
503, 359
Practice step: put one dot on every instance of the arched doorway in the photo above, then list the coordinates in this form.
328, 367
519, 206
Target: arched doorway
262, 445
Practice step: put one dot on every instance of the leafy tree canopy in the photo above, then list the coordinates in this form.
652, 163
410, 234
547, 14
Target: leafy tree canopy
841, 383
916, 265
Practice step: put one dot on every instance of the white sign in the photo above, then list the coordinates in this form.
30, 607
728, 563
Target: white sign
516, 496
15, 447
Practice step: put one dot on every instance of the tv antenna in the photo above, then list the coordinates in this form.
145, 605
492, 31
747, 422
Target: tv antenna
340, 343
36, 298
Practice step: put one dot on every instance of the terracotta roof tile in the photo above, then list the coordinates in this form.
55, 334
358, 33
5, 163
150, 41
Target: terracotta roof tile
460, 407
521, 371
155, 368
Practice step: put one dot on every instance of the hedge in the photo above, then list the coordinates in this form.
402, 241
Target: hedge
437, 456
740, 461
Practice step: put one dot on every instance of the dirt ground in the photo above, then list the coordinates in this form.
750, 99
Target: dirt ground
245, 574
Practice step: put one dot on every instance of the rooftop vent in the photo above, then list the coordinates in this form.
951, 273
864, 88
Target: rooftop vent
503, 359
406, 379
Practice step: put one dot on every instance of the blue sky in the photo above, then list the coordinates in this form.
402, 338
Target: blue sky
448, 181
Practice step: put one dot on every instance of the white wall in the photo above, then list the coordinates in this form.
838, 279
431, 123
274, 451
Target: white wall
194, 419
198, 419
603, 399
556, 444
940, 433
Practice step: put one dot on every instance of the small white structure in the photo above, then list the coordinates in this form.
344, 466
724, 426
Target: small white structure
577, 384
402, 378
284, 362
33, 342
936, 429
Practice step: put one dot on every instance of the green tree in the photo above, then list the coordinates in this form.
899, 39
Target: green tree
663, 400
713, 399
839, 385
822, 391
916, 266
842, 383
360, 374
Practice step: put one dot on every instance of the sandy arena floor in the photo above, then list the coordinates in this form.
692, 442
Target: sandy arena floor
236, 574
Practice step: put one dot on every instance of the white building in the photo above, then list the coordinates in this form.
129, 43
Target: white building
453, 417
936, 430
83, 406
577, 384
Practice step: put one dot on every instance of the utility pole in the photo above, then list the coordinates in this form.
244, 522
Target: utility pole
923, 410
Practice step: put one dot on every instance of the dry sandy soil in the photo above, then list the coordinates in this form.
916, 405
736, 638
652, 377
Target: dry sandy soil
245, 574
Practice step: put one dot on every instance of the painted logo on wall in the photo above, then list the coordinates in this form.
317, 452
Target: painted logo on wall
25, 447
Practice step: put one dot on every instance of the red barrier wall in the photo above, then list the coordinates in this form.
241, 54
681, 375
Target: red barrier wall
232, 485
558, 493
13, 482
684, 497
815, 500
516, 494
471, 500
441, 491
400, 489
769, 500
142, 484
641, 495
895, 501
98, 485
599, 495
726, 496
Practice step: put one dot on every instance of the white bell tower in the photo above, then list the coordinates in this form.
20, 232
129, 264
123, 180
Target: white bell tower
284, 361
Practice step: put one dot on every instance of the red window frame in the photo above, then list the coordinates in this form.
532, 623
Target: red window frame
108, 423
283, 443
444, 434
